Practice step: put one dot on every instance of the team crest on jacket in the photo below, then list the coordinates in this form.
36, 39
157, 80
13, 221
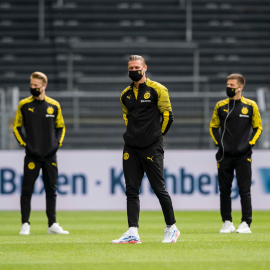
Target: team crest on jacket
126, 156
146, 95
244, 110
50, 110
31, 165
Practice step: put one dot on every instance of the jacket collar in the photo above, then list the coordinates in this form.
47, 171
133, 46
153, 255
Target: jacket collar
238, 100
141, 85
39, 101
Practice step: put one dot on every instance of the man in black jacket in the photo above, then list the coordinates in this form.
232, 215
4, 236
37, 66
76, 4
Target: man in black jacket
147, 113
236, 116
44, 127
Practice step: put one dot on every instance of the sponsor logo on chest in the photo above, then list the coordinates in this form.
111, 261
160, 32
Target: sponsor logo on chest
145, 100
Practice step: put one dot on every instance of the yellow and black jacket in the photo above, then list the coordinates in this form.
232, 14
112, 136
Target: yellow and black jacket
147, 113
44, 126
238, 138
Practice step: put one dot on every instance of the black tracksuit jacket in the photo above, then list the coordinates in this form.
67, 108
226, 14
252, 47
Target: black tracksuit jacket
44, 127
238, 138
147, 113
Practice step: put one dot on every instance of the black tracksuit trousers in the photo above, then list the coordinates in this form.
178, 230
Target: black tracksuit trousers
136, 162
50, 174
242, 167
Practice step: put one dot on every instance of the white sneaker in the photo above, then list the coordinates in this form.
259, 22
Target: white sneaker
25, 229
128, 238
56, 229
243, 228
171, 234
227, 227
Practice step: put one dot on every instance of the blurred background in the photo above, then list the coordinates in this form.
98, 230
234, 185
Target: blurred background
83, 47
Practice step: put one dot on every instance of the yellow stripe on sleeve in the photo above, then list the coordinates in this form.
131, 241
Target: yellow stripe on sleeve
18, 121
124, 108
215, 121
125, 119
166, 115
256, 121
62, 136
256, 136
212, 135
18, 136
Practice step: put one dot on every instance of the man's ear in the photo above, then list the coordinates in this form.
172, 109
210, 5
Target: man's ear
145, 67
240, 89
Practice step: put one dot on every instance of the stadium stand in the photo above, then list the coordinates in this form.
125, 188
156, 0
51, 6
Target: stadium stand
233, 37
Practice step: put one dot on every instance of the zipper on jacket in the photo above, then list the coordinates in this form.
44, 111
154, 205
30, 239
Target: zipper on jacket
137, 108
41, 116
137, 102
234, 151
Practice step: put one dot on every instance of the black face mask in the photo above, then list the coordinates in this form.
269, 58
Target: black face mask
231, 92
35, 91
135, 75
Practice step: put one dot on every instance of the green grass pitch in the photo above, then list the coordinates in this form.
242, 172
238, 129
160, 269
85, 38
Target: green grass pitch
200, 246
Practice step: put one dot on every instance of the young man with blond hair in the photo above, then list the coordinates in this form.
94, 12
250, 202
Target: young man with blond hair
147, 113
44, 127
236, 116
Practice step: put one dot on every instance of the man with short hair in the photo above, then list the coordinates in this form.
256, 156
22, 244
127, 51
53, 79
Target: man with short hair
235, 116
44, 127
147, 113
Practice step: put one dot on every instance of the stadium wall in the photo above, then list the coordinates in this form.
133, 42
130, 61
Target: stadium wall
93, 180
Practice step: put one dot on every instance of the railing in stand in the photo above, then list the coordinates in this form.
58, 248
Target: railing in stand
86, 46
